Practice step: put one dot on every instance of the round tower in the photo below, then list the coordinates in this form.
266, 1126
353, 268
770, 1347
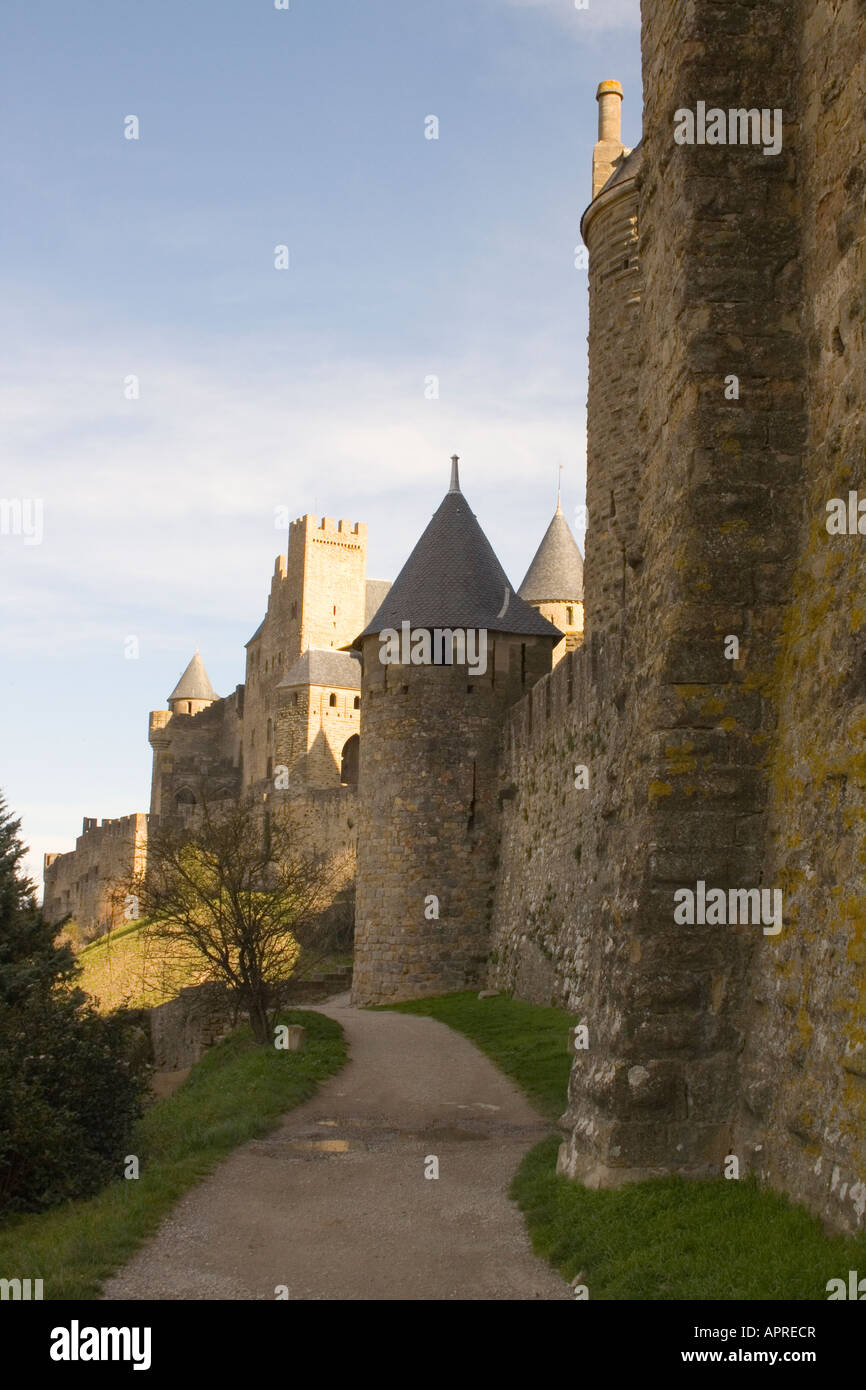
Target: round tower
553, 584
450, 649
609, 229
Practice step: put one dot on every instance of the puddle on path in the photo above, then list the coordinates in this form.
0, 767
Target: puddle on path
325, 1146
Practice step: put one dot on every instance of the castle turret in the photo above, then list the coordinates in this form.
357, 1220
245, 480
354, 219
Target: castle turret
451, 648
196, 744
554, 582
193, 691
609, 229
609, 146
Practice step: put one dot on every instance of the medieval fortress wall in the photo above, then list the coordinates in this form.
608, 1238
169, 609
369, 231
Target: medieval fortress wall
804, 1063
738, 772
552, 830
84, 881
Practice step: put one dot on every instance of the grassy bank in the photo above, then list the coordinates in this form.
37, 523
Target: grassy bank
672, 1239
236, 1092
657, 1240
127, 966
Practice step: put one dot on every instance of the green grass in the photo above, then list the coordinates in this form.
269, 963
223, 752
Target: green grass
673, 1239
126, 966
236, 1092
657, 1240
526, 1041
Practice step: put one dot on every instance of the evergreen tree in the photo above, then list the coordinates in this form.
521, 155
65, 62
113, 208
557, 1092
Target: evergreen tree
69, 1094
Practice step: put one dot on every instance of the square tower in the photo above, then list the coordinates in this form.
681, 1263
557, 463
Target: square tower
326, 574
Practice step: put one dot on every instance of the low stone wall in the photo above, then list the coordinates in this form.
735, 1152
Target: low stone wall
184, 1028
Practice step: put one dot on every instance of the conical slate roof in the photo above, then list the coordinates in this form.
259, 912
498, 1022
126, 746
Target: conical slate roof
453, 579
556, 573
194, 684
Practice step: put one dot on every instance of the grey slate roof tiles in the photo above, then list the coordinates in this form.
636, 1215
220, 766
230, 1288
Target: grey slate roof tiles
194, 684
453, 579
320, 666
556, 572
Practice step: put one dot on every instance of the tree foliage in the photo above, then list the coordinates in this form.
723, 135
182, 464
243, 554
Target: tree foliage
238, 889
70, 1091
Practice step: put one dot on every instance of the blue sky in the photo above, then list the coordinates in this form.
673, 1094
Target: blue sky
261, 388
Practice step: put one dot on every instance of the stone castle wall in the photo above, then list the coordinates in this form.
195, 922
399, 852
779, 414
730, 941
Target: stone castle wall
746, 772
196, 755
327, 822
85, 882
311, 732
804, 1065
561, 844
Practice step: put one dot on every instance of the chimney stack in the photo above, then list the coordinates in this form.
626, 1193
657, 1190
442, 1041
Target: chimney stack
609, 147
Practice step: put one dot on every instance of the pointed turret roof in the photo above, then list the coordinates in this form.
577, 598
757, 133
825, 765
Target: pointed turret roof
194, 684
556, 573
453, 579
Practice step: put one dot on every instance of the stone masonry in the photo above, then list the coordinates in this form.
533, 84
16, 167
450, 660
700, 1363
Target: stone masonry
85, 882
534, 827
744, 771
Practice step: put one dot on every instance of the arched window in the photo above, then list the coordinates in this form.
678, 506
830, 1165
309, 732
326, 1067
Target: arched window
184, 803
332, 700
189, 706
569, 616
295, 698
357, 702
349, 762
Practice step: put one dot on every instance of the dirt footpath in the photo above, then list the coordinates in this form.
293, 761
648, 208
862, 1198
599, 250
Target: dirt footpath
335, 1205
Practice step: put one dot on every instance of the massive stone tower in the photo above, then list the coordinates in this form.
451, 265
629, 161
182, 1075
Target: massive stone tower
610, 230
317, 601
429, 760
689, 543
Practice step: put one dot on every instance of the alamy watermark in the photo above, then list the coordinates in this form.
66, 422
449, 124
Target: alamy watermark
22, 516
732, 127
718, 907
846, 520
77, 1343
438, 646
21, 1288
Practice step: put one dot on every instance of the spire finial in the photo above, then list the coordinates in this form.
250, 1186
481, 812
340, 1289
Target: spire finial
558, 511
455, 476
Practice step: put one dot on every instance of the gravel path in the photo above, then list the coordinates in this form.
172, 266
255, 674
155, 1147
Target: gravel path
335, 1205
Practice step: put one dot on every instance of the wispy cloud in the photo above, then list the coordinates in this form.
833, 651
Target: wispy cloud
165, 505
599, 14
